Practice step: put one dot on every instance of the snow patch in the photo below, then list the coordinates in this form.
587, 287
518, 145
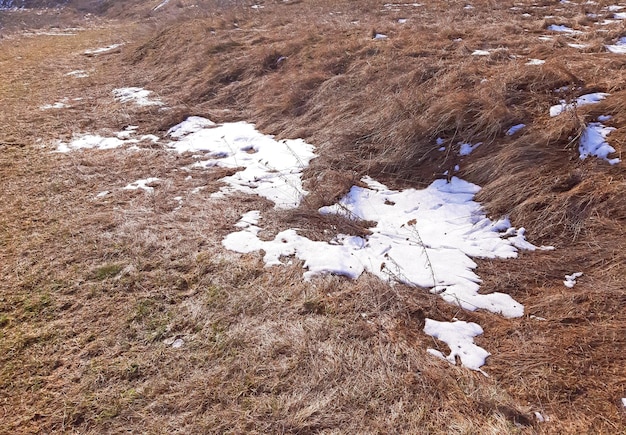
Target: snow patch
593, 143
580, 101
58, 105
422, 238
619, 47
139, 96
79, 74
459, 336
535, 62
562, 29
95, 52
570, 280
142, 184
467, 148
90, 141
269, 168
511, 131
95, 141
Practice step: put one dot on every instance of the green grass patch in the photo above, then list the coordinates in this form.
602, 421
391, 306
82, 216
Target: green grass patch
107, 271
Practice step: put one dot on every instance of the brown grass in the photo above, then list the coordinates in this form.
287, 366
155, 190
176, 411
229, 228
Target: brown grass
93, 291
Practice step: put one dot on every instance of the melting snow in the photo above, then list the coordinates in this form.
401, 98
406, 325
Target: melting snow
511, 131
467, 148
563, 29
459, 336
380, 36
480, 53
137, 95
78, 74
580, 101
269, 168
593, 143
422, 238
570, 280
58, 105
535, 62
142, 184
620, 16
619, 47
88, 141
102, 50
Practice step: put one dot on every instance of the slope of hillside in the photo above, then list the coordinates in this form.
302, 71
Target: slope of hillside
145, 286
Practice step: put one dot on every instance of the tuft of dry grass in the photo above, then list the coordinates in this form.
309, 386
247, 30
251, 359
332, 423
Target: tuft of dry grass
95, 291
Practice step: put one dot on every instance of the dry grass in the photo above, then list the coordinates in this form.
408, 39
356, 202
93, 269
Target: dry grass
93, 291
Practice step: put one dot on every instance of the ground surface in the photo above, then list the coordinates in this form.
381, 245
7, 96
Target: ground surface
95, 290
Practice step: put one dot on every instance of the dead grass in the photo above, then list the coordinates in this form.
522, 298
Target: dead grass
94, 291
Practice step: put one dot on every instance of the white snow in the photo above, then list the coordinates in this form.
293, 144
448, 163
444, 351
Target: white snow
422, 238
511, 131
78, 74
87, 141
562, 28
190, 125
178, 343
467, 148
402, 20
142, 184
480, 53
535, 62
579, 46
249, 219
593, 143
102, 50
136, 95
127, 132
459, 336
619, 47
570, 280
380, 36
269, 168
614, 8
580, 101
58, 105
620, 16
102, 194
90, 141
624, 402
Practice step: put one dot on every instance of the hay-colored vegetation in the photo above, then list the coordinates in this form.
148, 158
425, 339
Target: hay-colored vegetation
93, 292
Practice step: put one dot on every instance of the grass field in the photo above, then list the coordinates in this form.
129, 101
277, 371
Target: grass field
124, 312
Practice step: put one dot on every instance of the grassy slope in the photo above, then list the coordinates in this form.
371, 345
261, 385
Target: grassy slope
91, 288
